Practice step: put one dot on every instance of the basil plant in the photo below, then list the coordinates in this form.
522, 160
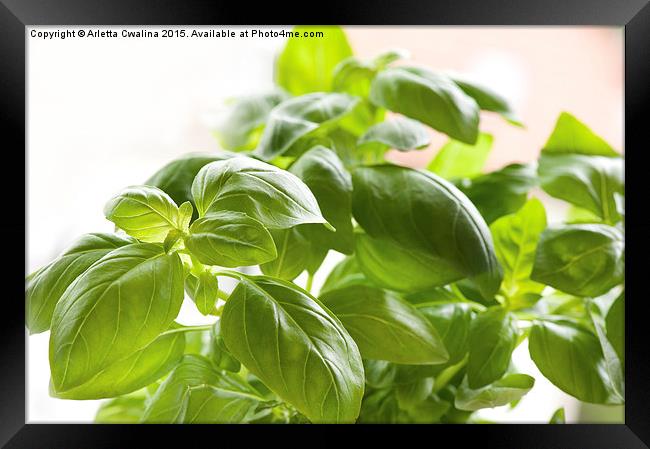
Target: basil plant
443, 271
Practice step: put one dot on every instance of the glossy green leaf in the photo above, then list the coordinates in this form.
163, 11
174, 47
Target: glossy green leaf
301, 117
421, 212
615, 326
502, 392
242, 125
613, 364
306, 63
122, 410
144, 212
196, 393
492, 338
275, 197
589, 182
453, 322
379, 373
219, 354
297, 347
176, 177
395, 267
583, 260
379, 407
386, 327
344, 274
115, 308
132, 373
571, 357
412, 394
230, 239
500, 192
323, 172
572, 136
428, 97
487, 99
400, 134
296, 253
460, 160
46, 286
203, 289
515, 241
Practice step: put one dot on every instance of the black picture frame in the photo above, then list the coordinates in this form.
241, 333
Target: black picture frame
15, 15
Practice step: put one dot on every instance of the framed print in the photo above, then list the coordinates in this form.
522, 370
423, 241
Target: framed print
393, 217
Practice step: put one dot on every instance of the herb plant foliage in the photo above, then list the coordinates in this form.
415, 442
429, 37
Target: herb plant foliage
443, 271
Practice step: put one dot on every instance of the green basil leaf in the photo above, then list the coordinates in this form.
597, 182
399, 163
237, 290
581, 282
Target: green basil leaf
219, 354
203, 289
613, 364
379, 407
176, 177
487, 99
412, 394
344, 274
502, 392
354, 76
379, 373
583, 260
296, 253
196, 393
323, 172
430, 216
230, 239
275, 197
572, 359
401, 134
132, 373
558, 417
428, 97
572, 136
301, 117
500, 192
460, 160
492, 338
615, 326
431, 410
306, 64
144, 212
386, 327
115, 308
589, 182
122, 410
453, 322
391, 266
242, 126
297, 347
515, 241
46, 286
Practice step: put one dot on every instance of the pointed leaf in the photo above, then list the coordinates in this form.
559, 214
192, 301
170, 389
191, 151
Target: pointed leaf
230, 239
428, 97
117, 307
385, 327
297, 347
275, 197
421, 212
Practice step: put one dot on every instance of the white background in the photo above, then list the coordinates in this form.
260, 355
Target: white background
107, 113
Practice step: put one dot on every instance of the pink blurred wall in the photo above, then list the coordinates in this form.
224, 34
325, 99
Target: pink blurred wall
542, 70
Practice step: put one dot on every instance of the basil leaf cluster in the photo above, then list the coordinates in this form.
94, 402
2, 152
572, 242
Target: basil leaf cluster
439, 274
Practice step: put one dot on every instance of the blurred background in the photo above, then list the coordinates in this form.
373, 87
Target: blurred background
107, 113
